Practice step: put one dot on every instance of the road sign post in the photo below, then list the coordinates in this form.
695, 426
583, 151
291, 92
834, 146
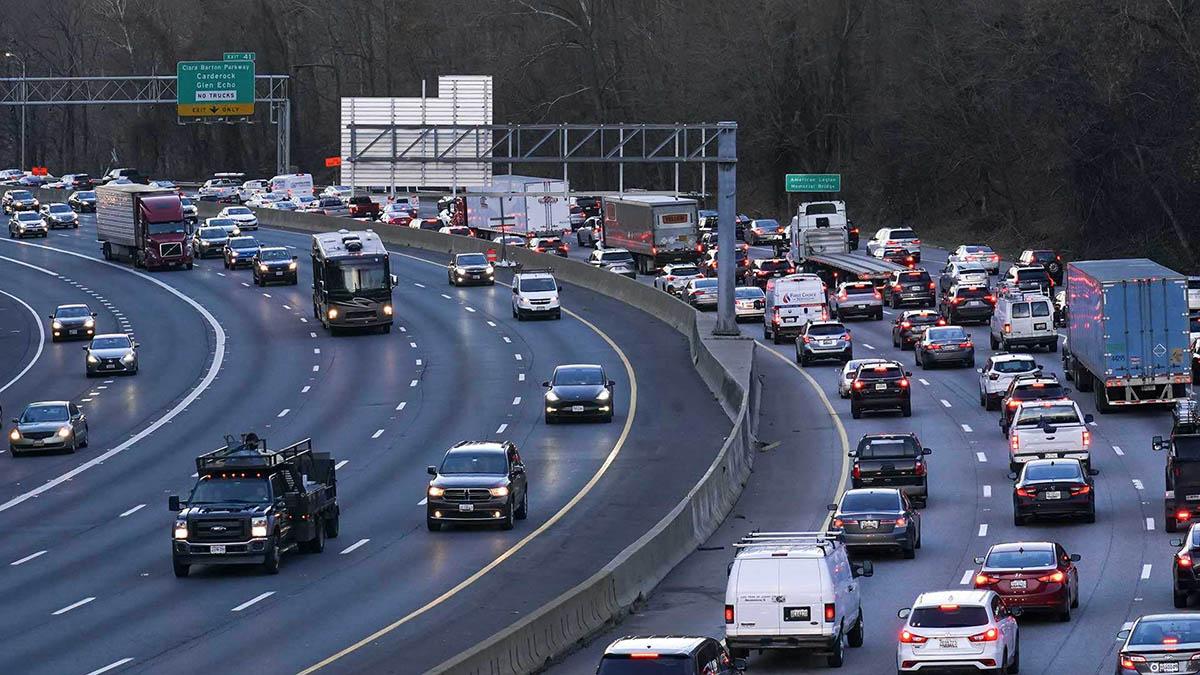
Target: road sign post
215, 88
812, 182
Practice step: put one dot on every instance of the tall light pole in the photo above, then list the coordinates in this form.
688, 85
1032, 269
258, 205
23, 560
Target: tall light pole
24, 102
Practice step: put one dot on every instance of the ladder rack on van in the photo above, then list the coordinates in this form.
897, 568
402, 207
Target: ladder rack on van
818, 538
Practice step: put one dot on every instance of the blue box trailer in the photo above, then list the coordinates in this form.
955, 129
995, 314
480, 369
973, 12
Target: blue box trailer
1127, 332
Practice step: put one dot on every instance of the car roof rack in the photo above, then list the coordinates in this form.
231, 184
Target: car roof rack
520, 269
815, 538
1186, 415
250, 454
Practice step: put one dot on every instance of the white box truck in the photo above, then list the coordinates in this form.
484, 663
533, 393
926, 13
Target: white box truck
520, 205
656, 229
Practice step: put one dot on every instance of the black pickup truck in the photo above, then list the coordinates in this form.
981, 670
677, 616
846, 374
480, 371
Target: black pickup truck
1181, 503
250, 505
892, 460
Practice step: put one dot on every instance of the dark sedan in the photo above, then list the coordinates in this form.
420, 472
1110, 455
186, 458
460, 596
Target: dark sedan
478, 482
945, 344
209, 241
1032, 575
881, 386
579, 391
909, 327
72, 322
1184, 575
1159, 643
240, 252
1053, 487
274, 264
878, 518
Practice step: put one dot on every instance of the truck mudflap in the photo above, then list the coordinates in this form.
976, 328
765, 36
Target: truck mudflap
1120, 394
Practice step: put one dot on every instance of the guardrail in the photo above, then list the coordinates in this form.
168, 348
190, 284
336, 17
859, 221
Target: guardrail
725, 366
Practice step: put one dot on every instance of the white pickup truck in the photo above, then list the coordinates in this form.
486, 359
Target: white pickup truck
1048, 430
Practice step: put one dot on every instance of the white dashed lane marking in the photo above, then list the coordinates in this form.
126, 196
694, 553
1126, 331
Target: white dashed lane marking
500, 429
132, 511
305, 389
355, 546
377, 434
923, 381
987, 490
340, 464
1137, 484
981, 457
946, 403
1117, 449
1150, 524
983, 529
1146, 570
966, 577
74, 605
258, 598
22, 561
967, 428
401, 406
284, 412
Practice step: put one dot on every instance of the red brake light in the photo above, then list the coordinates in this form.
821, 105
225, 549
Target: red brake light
838, 523
1015, 443
931, 285
1087, 439
653, 250
643, 655
1129, 662
1024, 492
901, 521
1184, 559
1170, 641
966, 344
990, 298
904, 385
934, 347
1055, 577
988, 635
906, 324
941, 321
896, 287
830, 611
1183, 514
856, 472
919, 469
842, 295
1086, 489
728, 613
982, 579
912, 638
858, 384
955, 301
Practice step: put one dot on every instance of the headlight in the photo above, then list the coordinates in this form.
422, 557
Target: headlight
233, 254
387, 310
92, 359
64, 432
436, 491
332, 313
604, 396
90, 323
258, 527
181, 529
21, 227
57, 325
292, 265
128, 358
551, 396
499, 491
490, 269
14, 435
459, 271
262, 267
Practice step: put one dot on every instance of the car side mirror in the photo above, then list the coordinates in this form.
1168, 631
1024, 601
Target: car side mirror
979, 370
395, 281
84, 348
908, 373
1123, 634
864, 568
431, 470
15, 421
1093, 472
50, 316
831, 507
1039, 368
1012, 475
978, 560
94, 315
927, 451
1075, 557
1016, 611
1157, 442
1175, 542
514, 290
903, 614
546, 384
173, 503
612, 383
852, 453
1088, 418
518, 469
136, 345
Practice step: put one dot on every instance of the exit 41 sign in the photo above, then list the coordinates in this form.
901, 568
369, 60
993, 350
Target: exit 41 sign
813, 182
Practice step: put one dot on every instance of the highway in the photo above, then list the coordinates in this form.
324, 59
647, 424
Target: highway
1125, 569
86, 559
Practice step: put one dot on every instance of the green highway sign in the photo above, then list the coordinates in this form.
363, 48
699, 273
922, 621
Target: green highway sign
215, 88
813, 182
239, 56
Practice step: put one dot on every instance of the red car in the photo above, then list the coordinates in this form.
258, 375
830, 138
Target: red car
1032, 575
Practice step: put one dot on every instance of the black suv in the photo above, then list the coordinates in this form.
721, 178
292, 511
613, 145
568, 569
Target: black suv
909, 327
892, 460
1184, 576
881, 386
478, 482
909, 287
274, 263
961, 304
1028, 388
470, 268
662, 654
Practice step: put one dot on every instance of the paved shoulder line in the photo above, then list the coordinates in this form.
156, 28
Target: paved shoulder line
837, 423
558, 515
37, 321
214, 366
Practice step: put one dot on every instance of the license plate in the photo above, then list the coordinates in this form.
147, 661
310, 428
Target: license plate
1193, 498
948, 643
975, 303
826, 343
1052, 495
789, 319
1166, 667
914, 288
1018, 583
1039, 326
111, 367
466, 507
861, 306
216, 548
74, 331
870, 524
880, 387
795, 614
279, 274
576, 408
37, 444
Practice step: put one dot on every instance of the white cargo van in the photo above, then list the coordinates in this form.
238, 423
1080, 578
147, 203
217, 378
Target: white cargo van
1023, 319
292, 184
793, 301
794, 590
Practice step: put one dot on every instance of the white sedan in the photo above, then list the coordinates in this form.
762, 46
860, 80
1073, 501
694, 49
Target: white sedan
244, 217
984, 255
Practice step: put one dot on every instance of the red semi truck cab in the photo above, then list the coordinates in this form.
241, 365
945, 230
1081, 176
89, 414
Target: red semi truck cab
142, 224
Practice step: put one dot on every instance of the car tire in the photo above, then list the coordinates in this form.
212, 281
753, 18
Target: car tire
333, 526
1015, 666
558, 315
271, 563
906, 409
1180, 599
1018, 519
181, 569
855, 410
1090, 516
738, 652
317, 543
993, 341
838, 656
1052, 347
1170, 524
507, 522
855, 636
910, 551
550, 419
87, 437
1064, 615
983, 400
432, 525
523, 509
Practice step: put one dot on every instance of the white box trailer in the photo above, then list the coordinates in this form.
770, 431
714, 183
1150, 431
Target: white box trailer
656, 229
520, 205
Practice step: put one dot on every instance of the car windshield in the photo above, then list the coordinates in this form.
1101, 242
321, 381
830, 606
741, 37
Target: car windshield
27, 215
914, 277
474, 462
1015, 366
274, 255
879, 372
662, 664
1167, 631
826, 329
21, 194
1032, 274
870, 501
745, 293
578, 376
704, 283
1050, 413
1042, 256
1020, 558
1054, 471
681, 271
213, 233
538, 285
948, 616
45, 413
118, 342
903, 233
607, 256
472, 259
86, 195
238, 211
903, 446
72, 312
243, 243
60, 208
173, 227
355, 277
773, 265
226, 491
946, 334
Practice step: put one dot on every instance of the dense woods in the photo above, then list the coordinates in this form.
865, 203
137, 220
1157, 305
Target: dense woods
1020, 122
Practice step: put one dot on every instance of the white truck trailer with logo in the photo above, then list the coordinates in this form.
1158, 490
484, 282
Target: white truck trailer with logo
520, 205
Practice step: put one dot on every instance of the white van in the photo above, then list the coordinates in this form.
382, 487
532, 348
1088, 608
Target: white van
535, 293
292, 184
794, 590
1023, 319
793, 301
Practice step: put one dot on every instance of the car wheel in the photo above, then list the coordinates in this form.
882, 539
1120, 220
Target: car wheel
983, 399
432, 525
1180, 599
1018, 519
523, 509
333, 526
855, 410
271, 564
993, 341
909, 551
906, 409
317, 543
550, 419
181, 569
506, 523
838, 656
1090, 516
87, 437
855, 636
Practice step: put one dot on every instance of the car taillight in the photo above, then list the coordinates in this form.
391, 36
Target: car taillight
791, 270
906, 324
933, 347
842, 295
856, 472
1013, 404
1008, 328
966, 344
878, 295
1130, 662
1183, 559
775, 316
1083, 490
728, 613
1055, 577
919, 469
830, 611
699, 248
990, 298
982, 579
910, 638
807, 339
988, 635
955, 301
858, 384
903, 382
1015, 442
901, 522
653, 250
1183, 514
1025, 492
1087, 439
941, 321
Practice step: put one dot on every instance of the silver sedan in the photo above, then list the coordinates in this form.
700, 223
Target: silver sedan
48, 425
